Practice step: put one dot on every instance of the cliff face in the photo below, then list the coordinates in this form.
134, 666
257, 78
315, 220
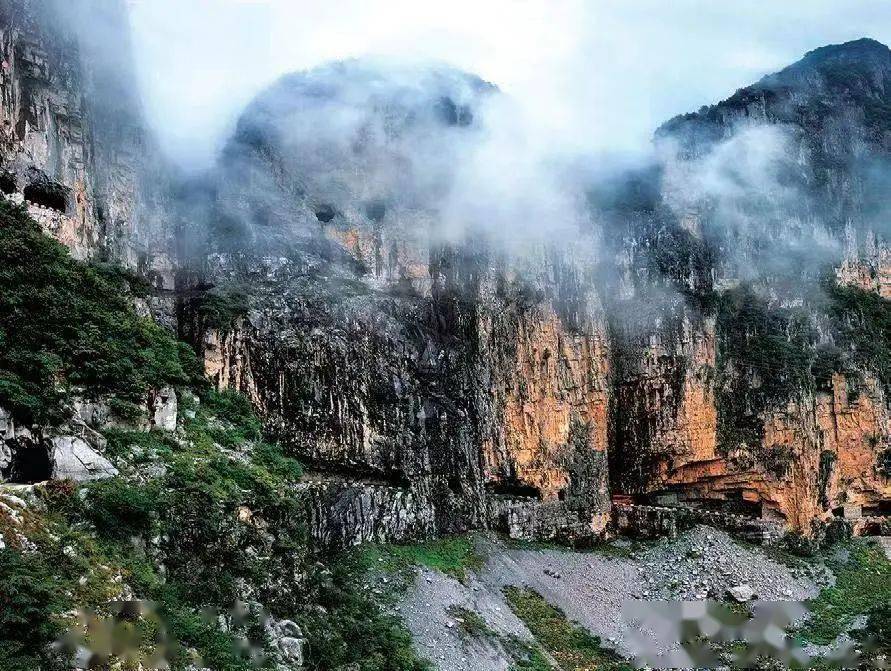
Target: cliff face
752, 391
73, 143
703, 353
718, 335
511, 378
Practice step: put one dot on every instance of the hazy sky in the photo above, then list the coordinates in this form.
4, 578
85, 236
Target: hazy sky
595, 75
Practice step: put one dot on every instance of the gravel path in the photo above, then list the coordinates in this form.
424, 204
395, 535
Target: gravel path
589, 587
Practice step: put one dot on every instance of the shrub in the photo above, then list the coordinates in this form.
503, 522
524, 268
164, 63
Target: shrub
119, 509
218, 308
878, 627
573, 646
756, 342
272, 458
350, 627
452, 555
863, 322
30, 602
862, 582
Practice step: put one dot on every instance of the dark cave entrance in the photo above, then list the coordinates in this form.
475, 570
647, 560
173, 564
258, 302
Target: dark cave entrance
7, 183
325, 213
47, 194
514, 488
30, 464
880, 509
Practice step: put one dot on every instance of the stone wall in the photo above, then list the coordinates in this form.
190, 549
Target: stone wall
642, 521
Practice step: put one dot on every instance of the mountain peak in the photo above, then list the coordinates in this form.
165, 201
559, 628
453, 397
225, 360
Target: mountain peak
865, 47
829, 79
852, 59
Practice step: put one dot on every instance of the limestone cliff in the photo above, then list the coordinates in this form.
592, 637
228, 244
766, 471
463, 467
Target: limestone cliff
73, 143
717, 334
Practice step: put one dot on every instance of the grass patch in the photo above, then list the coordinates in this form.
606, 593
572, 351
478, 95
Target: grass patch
526, 656
571, 645
452, 555
30, 604
348, 625
470, 623
863, 582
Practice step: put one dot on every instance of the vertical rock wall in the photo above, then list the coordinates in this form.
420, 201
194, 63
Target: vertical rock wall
73, 142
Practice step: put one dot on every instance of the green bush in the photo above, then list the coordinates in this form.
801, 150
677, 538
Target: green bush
757, 341
126, 410
863, 323
64, 322
272, 458
30, 602
350, 627
862, 582
878, 628
218, 308
452, 555
119, 509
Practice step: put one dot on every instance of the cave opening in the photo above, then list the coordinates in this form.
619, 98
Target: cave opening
47, 194
515, 488
325, 213
30, 464
871, 529
376, 210
880, 509
7, 183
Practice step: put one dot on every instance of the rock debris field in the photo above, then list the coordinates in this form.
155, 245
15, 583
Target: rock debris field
591, 587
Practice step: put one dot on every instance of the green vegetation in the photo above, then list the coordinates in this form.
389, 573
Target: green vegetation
572, 646
218, 308
863, 322
212, 502
63, 323
863, 582
219, 521
349, 624
470, 622
192, 510
878, 628
30, 602
756, 343
454, 555
598, 547
767, 354
526, 656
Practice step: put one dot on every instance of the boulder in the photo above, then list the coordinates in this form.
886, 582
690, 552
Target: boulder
287, 638
164, 409
741, 593
71, 457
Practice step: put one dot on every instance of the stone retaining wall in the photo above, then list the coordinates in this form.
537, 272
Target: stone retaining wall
652, 521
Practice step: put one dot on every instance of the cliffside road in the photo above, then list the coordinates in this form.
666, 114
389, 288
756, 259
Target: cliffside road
592, 588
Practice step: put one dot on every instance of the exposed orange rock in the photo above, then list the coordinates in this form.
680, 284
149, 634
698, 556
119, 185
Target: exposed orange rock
388, 255
227, 363
560, 384
856, 428
829, 431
